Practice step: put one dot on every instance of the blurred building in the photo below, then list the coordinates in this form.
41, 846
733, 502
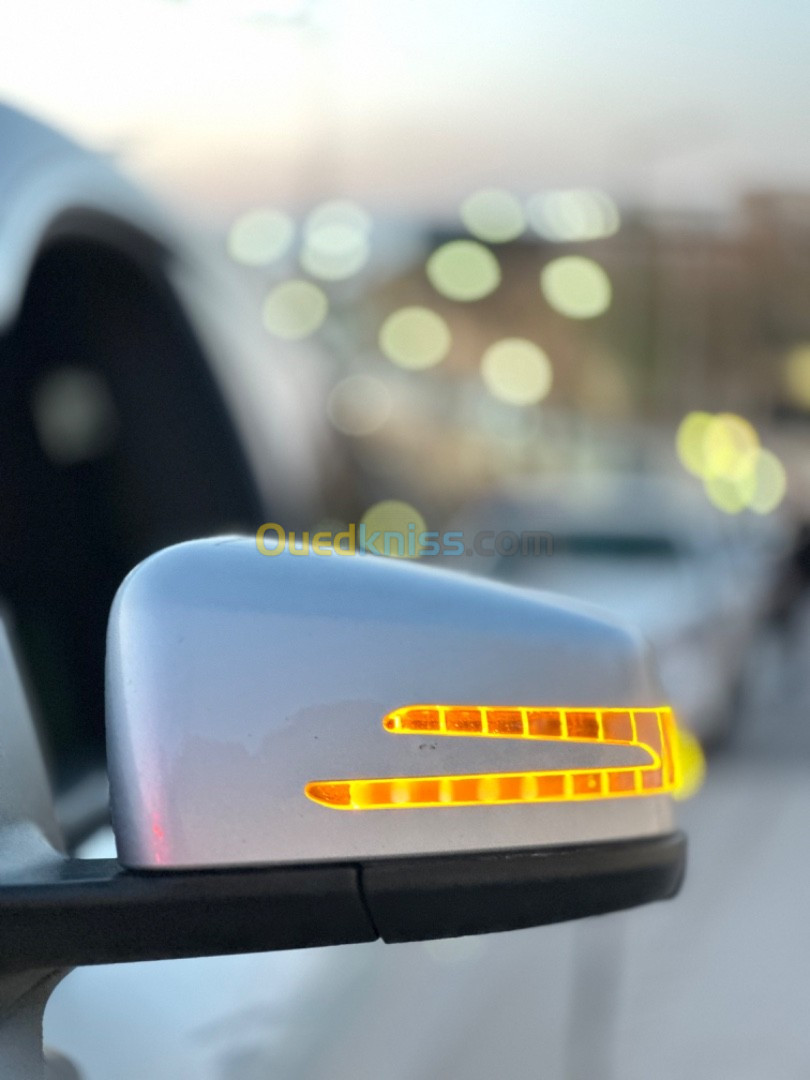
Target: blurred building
704, 313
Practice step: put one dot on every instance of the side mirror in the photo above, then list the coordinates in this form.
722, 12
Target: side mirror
480, 758
311, 750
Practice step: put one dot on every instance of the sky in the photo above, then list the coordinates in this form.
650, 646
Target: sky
408, 105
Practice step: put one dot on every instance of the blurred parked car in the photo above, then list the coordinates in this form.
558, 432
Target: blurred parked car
653, 551
142, 407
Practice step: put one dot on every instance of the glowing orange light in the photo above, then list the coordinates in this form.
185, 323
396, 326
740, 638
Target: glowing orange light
651, 730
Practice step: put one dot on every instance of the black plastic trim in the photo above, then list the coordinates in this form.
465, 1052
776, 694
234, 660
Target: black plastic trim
72, 912
92, 911
450, 896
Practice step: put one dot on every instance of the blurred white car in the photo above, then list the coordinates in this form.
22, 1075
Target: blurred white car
143, 405
653, 551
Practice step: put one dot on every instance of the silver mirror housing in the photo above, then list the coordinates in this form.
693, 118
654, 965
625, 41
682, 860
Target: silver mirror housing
281, 710
482, 757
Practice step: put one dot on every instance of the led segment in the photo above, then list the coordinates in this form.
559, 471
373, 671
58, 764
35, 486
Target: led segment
651, 730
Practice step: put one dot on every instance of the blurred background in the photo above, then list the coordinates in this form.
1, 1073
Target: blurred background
531, 267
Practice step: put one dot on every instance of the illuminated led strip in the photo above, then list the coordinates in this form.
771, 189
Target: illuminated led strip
651, 730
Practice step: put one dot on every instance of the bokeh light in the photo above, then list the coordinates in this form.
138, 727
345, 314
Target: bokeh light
692, 764
796, 375
727, 442
74, 415
738, 473
689, 441
725, 493
294, 309
576, 286
334, 252
338, 212
398, 518
415, 338
770, 483
260, 237
337, 240
493, 215
576, 215
463, 270
359, 405
516, 371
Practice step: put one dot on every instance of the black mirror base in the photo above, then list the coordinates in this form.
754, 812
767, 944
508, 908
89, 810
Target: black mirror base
72, 912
